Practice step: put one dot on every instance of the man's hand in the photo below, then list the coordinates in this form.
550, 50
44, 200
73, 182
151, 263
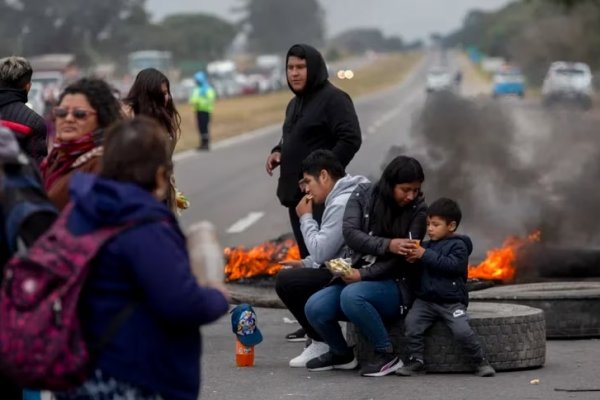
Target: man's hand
292, 264
273, 162
352, 277
304, 206
402, 247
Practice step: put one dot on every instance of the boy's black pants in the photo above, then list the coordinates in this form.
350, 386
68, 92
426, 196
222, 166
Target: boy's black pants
423, 314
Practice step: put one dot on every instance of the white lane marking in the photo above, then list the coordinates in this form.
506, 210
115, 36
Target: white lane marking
245, 223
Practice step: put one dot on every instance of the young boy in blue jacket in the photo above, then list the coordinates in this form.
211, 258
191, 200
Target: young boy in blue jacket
443, 290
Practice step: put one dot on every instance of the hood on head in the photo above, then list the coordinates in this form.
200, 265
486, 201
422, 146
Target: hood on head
101, 202
200, 78
317, 73
465, 239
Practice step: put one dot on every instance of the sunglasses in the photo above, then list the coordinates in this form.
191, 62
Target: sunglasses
77, 113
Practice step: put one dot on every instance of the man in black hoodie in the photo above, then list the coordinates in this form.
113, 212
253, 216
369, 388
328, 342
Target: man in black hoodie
29, 127
320, 116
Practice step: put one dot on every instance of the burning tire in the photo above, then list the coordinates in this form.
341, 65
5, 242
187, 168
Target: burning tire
572, 309
513, 337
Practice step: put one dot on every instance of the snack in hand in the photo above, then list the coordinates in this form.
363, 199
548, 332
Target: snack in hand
339, 266
182, 201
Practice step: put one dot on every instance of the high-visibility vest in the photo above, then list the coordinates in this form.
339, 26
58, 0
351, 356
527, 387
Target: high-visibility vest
204, 102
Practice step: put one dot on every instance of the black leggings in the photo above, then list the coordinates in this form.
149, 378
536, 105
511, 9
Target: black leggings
295, 286
203, 120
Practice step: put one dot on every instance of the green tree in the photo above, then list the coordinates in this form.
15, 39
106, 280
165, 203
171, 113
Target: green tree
274, 25
362, 39
65, 26
196, 36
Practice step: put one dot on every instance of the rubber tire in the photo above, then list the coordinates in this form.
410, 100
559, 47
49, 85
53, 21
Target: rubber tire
513, 337
572, 309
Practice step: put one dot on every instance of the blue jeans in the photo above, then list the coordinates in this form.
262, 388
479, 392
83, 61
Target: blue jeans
367, 304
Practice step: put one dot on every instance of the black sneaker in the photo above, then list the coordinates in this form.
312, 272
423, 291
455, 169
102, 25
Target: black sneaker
382, 364
485, 369
297, 336
412, 368
329, 361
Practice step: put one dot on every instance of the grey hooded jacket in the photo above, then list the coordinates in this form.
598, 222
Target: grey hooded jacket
326, 242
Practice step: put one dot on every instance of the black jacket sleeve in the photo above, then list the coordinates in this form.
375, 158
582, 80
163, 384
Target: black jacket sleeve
354, 236
454, 263
287, 118
343, 122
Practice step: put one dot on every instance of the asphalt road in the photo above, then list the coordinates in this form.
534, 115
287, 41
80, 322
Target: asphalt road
571, 365
230, 187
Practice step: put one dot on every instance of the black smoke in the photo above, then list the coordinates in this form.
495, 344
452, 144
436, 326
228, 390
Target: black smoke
514, 167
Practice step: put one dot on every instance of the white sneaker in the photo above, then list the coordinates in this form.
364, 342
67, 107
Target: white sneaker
313, 350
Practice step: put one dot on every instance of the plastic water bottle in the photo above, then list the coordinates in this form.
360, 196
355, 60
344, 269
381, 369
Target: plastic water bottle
206, 255
244, 355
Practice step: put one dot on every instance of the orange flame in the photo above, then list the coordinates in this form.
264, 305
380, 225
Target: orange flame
263, 259
499, 263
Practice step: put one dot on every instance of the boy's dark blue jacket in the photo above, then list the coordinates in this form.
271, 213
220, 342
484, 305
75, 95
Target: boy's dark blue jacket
444, 264
158, 347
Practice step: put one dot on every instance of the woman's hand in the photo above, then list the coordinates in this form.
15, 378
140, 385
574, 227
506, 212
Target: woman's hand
402, 247
352, 277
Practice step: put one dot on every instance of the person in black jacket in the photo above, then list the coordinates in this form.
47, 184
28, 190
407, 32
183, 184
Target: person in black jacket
378, 221
15, 82
443, 291
25, 214
320, 116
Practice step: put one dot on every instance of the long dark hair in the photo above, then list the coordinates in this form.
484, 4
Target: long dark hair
146, 98
385, 212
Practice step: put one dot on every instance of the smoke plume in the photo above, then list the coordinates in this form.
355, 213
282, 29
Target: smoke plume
513, 167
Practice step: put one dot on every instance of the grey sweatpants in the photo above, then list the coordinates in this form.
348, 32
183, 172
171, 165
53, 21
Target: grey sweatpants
423, 314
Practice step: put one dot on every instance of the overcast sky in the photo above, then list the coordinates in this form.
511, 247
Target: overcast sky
410, 19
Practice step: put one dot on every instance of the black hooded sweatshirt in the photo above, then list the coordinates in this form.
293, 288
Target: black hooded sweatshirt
28, 126
320, 117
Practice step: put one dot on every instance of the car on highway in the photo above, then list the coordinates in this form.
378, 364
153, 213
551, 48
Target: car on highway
568, 82
439, 79
508, 81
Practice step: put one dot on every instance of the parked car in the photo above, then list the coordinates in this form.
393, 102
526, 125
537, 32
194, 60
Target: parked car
439, 79
568, 82
508, 81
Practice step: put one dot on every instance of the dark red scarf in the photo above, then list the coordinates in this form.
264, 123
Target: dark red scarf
64, 153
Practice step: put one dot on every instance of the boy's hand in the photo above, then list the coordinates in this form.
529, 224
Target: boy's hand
416, 254
304, 206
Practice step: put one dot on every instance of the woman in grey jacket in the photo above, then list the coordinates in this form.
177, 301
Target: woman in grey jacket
378, 221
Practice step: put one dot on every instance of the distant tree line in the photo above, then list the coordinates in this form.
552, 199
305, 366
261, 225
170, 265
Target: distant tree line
533, 33
108, 30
